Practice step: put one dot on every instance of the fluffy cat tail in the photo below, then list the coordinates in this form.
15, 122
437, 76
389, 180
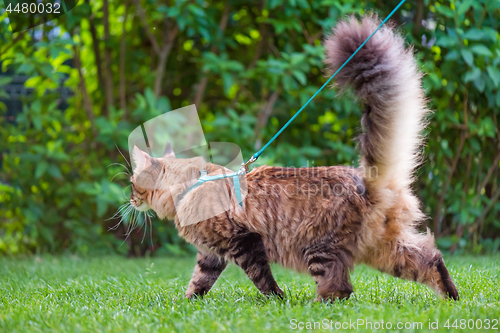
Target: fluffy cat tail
385, 77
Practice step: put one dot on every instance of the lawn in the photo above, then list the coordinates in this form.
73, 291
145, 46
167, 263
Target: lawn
55, 294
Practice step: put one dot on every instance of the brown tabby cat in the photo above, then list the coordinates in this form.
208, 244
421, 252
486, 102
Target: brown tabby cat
326, 219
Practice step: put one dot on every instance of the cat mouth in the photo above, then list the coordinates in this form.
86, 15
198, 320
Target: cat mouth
140, 206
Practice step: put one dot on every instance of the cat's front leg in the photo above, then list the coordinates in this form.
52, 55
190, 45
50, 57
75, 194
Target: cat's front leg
207, 270
248, 251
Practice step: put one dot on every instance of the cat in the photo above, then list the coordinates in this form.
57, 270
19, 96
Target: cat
360, 215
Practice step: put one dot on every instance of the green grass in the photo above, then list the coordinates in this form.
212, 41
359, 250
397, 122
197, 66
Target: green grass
54, 294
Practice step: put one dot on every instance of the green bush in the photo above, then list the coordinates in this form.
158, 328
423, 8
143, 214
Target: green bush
248, 67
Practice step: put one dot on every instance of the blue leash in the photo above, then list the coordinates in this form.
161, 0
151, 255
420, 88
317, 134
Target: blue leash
257, 154
244, 167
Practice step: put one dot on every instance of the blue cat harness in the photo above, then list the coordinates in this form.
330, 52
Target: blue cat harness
236, 181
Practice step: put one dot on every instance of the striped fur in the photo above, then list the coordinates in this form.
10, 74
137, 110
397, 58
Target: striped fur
322, 220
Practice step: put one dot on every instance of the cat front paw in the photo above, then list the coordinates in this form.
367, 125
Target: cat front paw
194, 294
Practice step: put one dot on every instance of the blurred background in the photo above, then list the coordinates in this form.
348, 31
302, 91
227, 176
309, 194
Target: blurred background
73, 89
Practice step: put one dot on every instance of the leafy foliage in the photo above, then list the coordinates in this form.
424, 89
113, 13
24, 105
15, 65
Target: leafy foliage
248, 66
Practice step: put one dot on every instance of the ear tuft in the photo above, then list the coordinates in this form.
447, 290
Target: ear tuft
168, 152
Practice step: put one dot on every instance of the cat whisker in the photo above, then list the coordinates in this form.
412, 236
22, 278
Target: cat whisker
117, 214
151, 232
124, 215
132, 221
122, 155
123, 191
127, 212
129, 223
130, 215
118, 211
120, 173
120, 164
145, 228
148, 217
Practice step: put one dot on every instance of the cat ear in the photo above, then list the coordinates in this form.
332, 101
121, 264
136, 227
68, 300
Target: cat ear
142, 159
168, 152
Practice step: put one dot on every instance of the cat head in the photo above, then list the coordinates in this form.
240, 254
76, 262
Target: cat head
156, 180
150, 180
